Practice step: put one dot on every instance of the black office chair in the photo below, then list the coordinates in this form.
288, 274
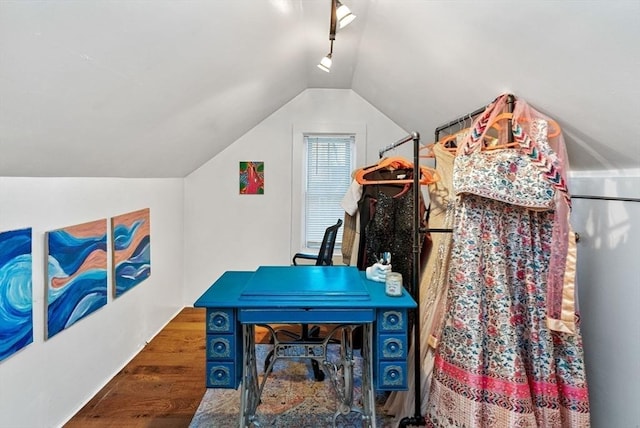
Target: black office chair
325, 255
323, 258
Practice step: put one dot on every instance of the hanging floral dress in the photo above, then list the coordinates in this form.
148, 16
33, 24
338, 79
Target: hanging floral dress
498, 362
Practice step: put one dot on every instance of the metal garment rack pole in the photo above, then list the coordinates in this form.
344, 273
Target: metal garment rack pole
605, 198
417, 420
413, 136
591, 197
458, 121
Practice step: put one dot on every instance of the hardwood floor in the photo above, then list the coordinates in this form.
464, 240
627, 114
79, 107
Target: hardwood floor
161, 387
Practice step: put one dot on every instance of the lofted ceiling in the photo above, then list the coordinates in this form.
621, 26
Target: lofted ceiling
155, 88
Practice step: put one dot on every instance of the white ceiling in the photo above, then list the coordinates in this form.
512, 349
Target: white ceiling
155, 88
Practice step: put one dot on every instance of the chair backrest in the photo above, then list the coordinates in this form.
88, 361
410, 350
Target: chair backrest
325, 255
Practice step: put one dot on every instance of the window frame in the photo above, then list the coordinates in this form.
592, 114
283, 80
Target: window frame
298, 166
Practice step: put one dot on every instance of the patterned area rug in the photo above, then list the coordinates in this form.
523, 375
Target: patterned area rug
291, 399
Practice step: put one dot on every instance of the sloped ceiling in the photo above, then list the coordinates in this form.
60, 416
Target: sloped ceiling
156, 88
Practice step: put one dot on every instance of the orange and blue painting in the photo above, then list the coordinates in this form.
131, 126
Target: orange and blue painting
131, 249
251, 178
76, 273
16, 302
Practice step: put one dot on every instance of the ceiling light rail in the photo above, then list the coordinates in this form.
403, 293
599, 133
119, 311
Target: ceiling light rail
340, 15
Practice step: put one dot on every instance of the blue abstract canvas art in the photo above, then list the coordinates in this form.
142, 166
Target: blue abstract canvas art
16, 301
76, 272
131, 249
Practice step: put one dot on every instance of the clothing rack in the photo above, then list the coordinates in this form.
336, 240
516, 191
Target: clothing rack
415, 274
418, 419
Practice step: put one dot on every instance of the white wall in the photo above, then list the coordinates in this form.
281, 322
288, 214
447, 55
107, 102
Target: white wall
227, 231
609, 294
47, 382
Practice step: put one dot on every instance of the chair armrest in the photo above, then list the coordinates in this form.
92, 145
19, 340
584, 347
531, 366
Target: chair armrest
304, 257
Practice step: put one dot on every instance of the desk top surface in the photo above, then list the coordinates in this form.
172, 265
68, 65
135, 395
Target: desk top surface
300, 286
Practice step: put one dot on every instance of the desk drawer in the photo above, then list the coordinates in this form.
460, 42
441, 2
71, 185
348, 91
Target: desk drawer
391, 321
222, 347
222, 375
306, 316
220, 321
392, 376
392, 347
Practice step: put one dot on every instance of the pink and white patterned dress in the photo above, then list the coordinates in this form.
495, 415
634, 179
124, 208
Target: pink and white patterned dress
497, 363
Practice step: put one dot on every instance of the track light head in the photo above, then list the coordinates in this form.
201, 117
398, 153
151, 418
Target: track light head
325, 63
344, 15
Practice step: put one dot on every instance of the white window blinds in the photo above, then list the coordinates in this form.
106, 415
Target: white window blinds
329, 162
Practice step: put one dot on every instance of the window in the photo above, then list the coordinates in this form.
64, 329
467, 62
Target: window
329, 160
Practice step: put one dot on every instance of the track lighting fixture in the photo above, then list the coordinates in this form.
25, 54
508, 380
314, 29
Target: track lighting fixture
339, 14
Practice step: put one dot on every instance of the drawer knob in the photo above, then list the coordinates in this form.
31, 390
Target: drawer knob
220, 347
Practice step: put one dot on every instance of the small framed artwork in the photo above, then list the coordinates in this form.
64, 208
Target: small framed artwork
251, 178
131, 249
76, 273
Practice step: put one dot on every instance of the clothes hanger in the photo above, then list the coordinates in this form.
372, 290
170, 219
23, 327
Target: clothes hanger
494, 134
427, 175
450, 142
388, 163
428, 151
554, 127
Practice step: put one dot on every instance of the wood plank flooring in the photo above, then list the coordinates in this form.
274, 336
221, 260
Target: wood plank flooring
160, 387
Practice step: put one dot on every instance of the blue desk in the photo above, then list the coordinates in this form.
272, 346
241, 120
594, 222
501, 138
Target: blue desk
338, 295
